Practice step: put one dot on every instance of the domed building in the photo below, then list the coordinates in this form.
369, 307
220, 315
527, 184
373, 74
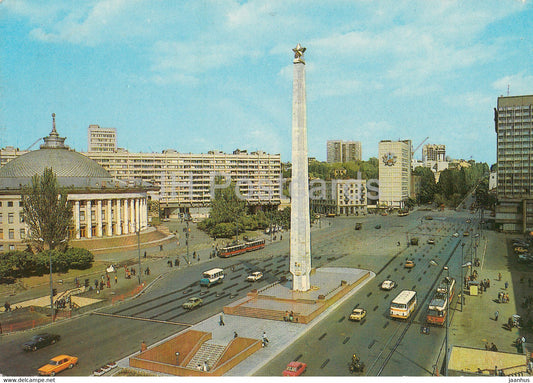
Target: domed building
103, 206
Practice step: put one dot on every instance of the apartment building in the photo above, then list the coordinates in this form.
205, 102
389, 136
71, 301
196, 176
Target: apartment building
343, 151
101, 139
394, 173
514, 128
339, 197
187, 181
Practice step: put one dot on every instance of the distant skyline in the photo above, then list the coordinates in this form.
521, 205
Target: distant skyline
204, 75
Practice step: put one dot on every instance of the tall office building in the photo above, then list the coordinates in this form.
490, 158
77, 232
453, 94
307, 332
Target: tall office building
513, 120
101, 139
394, 173
343, 151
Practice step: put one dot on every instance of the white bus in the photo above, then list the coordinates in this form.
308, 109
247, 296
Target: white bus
211, 277
403, 305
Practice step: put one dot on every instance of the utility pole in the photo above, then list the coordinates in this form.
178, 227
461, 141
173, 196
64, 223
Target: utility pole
139, 251
187, 230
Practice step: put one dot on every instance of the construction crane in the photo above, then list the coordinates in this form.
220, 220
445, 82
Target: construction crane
419, 145
32, 145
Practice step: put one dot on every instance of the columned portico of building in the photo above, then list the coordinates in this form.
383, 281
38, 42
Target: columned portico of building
99, 215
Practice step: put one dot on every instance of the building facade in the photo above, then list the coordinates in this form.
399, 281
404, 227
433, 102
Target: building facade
102, 206
339, 197
343, 151
394, 173
185, 181
101, 139
514, 128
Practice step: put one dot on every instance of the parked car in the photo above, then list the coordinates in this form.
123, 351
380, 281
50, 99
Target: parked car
58, 364
40, 341
466, 233
358, 314
254, 277
409, 264
192, 303
429, 218
431, 241
455, 234
388, 285
295, 369
414, 241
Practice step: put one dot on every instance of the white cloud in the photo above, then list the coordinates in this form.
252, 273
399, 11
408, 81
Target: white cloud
519, 84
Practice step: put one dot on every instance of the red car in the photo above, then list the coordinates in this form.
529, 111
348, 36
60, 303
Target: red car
295, 369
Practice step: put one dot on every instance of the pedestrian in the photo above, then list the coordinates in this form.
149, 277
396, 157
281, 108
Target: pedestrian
7, 307
108, 283
143, 346
496, 316
101, 285
96, 284
264, 338
160, 247
198, 257
77, 282
194, 255
506, 285
488, 283
145, 254
221, 320
281, 237
147, 270
116, 279
235, 335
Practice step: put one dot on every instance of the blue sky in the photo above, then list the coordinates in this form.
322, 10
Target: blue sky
200, 75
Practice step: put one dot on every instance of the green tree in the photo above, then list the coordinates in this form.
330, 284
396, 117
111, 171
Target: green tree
46, 211
428, 187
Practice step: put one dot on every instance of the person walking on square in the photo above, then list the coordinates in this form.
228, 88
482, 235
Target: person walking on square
506, 285
496, 314
221, 320
116, 280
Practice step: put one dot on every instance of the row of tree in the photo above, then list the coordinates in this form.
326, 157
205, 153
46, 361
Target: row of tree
453, 184
19, 264
231, 215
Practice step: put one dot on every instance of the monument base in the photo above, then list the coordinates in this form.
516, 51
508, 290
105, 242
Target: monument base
279, 302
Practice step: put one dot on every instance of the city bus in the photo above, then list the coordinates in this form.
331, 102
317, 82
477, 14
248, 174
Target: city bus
212, 277
403, 305
240, 248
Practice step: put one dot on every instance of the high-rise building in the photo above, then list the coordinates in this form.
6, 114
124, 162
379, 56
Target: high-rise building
343, 151
513, 120
394, 173
101, 139
433, 152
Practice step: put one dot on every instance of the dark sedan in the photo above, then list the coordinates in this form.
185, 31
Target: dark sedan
40, 341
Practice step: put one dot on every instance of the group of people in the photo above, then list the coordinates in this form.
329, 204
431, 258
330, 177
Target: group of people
503, 297
491, 347
289, 317
176, 262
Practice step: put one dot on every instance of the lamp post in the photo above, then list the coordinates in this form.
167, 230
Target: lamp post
462, 278
447, 316
139, 251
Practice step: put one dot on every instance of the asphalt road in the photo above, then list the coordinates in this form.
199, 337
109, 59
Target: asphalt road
386, 346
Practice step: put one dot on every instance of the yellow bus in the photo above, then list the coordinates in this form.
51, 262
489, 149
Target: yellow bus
403, 305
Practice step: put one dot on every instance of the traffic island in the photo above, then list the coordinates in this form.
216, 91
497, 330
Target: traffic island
193, 353
279, 302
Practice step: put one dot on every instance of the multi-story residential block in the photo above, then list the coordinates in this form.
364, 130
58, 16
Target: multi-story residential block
339, 197
394, 173
434, 157
343, 151
186, 181
10, 153
513, 120
101, 139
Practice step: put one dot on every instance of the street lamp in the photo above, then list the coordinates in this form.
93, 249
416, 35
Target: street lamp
139, 251
462, 278
447, 315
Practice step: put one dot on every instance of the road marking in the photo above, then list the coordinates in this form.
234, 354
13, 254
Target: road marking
324, 364
143, 319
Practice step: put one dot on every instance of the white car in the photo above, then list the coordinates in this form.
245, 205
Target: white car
254, 277
455, 235
388, 285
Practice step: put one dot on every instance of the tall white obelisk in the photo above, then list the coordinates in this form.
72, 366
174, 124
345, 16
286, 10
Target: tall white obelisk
300, 255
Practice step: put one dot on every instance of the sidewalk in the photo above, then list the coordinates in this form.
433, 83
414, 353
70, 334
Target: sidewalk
474, 325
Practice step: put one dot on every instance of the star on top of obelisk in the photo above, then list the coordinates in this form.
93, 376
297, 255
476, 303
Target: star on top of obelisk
299, 54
